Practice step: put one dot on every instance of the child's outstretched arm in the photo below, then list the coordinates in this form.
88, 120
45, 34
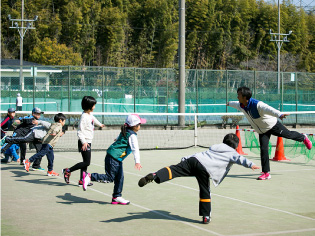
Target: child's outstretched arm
254, 167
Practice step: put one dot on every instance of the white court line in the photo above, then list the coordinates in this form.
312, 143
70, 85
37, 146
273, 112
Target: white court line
145, 208
234, 199
277, 232
230, 198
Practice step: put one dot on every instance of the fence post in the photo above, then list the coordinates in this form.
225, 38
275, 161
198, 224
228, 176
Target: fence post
197, 94
69, 89
134, 90
103, 105
296, 99
196, 133
226, 90
34, 84
255, 83
282, 90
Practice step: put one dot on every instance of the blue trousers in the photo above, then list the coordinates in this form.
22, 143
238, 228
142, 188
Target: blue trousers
113, 173
49, 152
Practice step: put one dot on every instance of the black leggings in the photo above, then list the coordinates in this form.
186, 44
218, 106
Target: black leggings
86, 155
190, 167
278, 130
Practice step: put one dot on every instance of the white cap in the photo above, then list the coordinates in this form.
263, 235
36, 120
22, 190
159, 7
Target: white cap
18, 94
134, 119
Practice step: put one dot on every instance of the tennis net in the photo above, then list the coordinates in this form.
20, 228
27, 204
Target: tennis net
162, 130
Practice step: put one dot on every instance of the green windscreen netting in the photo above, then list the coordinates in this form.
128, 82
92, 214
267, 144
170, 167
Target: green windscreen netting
292, 149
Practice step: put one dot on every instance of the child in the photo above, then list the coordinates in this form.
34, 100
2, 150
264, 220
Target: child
215, 163
126, 143
49, 141
85, 134
7, 122
26, 124
11, 154
263, 119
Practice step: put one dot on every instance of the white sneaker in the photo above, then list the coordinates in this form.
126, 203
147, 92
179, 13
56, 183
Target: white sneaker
86, 180
120, 200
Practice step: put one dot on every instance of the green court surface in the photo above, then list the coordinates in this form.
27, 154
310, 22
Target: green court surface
35, 204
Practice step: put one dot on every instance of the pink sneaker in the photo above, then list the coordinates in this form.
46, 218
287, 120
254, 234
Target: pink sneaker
264, 176
307, 142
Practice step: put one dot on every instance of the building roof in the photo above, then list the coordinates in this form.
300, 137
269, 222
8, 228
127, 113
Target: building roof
16, 62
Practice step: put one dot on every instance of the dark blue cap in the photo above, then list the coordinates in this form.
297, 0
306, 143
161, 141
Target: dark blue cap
37, 110
11, 110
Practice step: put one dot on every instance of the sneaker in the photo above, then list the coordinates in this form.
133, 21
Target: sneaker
27, 165
264, 176
66, 174
145, 180
39, 168
307, 142
80, 183
86, 180
120, 200
2, 142
52, 173
206, 219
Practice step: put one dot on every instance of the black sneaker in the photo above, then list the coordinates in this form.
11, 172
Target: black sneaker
145, 180
206, 219
66, 174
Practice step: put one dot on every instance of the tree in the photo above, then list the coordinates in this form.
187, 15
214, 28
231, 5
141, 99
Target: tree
49, 52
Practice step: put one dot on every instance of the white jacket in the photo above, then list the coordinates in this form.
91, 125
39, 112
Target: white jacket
261, 116
86, 127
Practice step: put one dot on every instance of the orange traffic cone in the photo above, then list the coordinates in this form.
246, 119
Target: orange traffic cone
239, 148
279, 154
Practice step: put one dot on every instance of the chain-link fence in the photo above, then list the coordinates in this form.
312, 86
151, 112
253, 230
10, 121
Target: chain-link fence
57, 88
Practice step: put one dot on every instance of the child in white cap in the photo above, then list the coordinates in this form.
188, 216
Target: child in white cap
126, 143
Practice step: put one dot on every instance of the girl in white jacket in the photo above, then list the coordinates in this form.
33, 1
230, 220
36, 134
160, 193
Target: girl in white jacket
85, 135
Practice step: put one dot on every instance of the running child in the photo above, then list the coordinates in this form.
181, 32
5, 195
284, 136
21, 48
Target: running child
25, 126
85, 134
264, 119
49, 141
11, 154
215, 163
126, 143
7, 122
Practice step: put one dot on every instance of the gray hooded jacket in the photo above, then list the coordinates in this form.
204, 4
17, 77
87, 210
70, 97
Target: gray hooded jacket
218, 161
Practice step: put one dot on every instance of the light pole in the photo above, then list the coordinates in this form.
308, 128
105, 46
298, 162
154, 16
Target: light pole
279, 39
19, 25
181, 63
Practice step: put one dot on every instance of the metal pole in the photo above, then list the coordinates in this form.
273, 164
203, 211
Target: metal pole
255, 84
103, 105
226, 90
296, 98
69, 89
181, 51
134, 90
34, 84
279, 47
22, 30
21, 49
282, 90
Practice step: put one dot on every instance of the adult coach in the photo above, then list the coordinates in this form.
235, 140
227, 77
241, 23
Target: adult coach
19, 102
263, 119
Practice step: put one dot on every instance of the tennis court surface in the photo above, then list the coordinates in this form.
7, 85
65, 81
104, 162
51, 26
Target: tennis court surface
35, 204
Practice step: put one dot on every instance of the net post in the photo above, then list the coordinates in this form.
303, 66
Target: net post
195, 131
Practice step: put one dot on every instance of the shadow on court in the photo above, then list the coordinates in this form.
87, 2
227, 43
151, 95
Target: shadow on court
155, 214
71, 199
42, 182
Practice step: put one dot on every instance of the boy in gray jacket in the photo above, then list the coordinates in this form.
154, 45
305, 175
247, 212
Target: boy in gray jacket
215, 163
